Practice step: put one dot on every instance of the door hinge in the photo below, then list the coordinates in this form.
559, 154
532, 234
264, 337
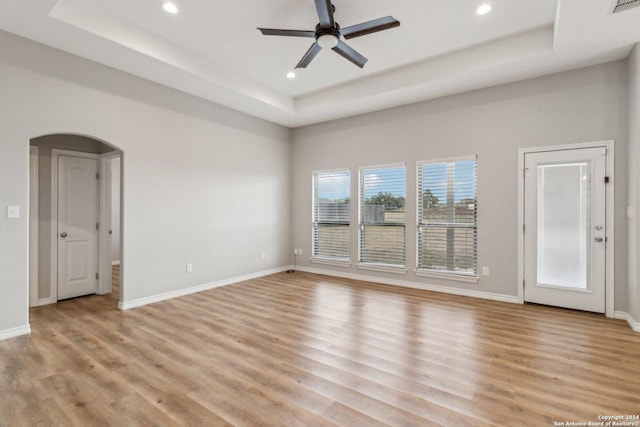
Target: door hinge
97, 276
606, 179
523, 228
97, 175
97, 226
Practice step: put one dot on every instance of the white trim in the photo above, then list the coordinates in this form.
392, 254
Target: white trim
15, 332
334, 262
468, 158
610, 212
45, 301
116, 262
126, 305
104, 238
331, 170
630, 320
383, 166
55, 153
383, 268
447, 276
34, 187
413, 285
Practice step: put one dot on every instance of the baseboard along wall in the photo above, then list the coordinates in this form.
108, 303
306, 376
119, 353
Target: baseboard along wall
15, 332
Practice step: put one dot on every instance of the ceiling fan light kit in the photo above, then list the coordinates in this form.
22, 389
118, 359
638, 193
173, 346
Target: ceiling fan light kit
328, 34
327, 41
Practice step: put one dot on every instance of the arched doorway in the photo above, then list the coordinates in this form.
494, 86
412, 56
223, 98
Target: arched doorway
75, 216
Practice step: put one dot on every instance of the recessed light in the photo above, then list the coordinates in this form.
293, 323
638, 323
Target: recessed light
170, 7
291, 75
483, 9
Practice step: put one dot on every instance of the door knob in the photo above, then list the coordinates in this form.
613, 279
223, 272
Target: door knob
63, 234
598, 239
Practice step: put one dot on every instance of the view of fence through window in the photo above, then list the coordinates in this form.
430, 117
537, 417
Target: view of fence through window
382, 215
331, 212
447, 216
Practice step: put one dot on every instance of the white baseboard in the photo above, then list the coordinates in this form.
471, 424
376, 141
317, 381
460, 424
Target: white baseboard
414, 285
45, 301
630, 320
126, 305
15, 332
116, 262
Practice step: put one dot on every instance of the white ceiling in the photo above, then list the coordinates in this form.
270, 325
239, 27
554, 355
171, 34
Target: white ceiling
213, 50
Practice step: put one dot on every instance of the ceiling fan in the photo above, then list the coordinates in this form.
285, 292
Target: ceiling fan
328, 34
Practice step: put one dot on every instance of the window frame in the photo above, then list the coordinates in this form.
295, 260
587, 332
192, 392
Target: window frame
375, 266
420, 223
339, 261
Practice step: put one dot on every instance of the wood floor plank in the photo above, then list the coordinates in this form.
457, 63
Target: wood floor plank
303, 349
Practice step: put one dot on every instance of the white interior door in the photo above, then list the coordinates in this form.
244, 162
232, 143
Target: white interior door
77, 231
565, 233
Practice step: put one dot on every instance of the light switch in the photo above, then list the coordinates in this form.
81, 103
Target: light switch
13, 211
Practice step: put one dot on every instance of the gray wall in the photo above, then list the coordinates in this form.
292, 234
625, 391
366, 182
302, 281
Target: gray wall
46, 144
193, 173
578, 106
634, 180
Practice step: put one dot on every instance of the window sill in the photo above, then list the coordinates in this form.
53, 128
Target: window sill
447, 276
328, 261
383, 268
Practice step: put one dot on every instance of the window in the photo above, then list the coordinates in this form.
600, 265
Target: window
331, 211
382, 215
447, 216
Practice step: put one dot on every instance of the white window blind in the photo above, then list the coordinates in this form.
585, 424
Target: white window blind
447, 216
331, 213
382, 215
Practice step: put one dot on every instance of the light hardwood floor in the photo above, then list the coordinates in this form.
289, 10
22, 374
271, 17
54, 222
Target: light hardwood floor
309, 350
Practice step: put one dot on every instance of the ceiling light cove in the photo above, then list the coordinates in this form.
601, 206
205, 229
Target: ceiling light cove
170, 7
483, 9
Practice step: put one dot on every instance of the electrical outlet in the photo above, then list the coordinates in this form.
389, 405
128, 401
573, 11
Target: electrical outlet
189, 268
485, 271
263, 254
299, 251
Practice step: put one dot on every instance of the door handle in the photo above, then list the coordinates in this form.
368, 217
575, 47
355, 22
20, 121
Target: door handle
63, 234
598, 239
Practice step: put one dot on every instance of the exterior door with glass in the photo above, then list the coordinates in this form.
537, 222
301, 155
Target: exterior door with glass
564, 228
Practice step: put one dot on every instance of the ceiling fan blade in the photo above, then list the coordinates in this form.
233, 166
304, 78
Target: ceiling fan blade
325, 13
308, 57
349, 53
369, 27
288, 33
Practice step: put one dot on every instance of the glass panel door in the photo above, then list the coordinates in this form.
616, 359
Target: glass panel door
564, 222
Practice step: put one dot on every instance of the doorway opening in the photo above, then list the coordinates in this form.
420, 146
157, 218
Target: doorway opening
75, 232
